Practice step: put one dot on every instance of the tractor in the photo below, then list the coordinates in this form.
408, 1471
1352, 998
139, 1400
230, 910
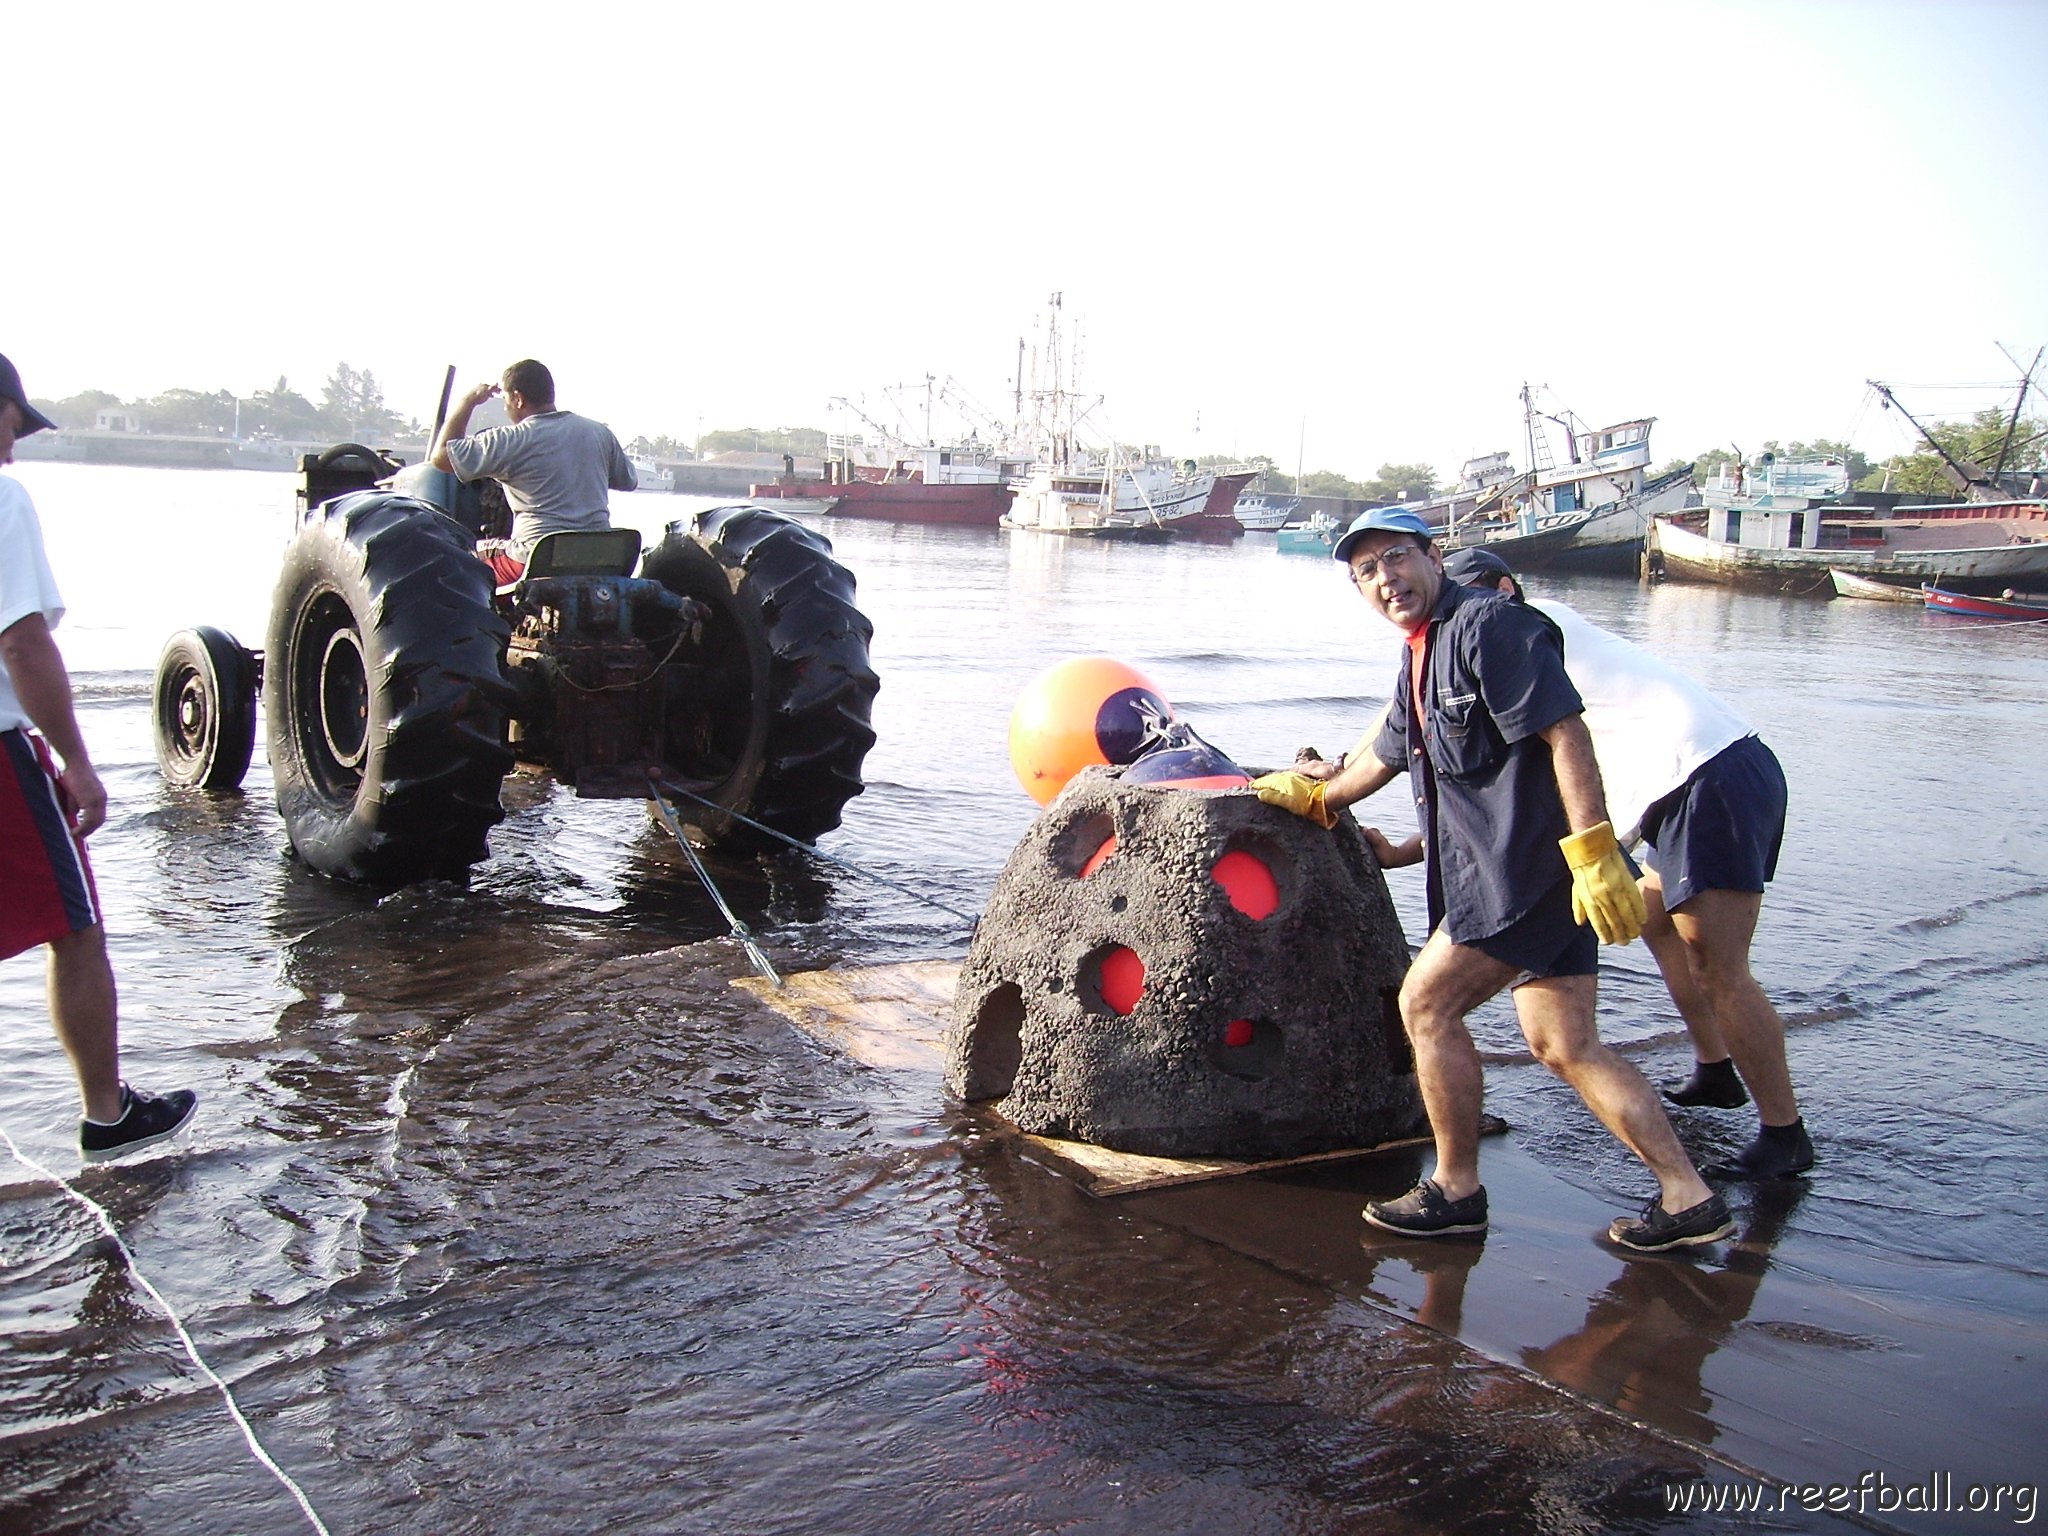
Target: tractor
725, 669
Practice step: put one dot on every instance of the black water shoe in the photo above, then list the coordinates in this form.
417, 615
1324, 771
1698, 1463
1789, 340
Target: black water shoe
1779, 1152
1713, 1085
146, 1119
1657, 1229
1424, 1212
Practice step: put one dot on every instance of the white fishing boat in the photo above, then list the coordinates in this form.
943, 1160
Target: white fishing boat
1072, 488
652, 475
1267, 514
1106, 501
1592, 481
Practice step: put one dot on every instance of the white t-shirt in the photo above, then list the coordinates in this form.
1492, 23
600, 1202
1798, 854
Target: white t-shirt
26, 585
1652, 726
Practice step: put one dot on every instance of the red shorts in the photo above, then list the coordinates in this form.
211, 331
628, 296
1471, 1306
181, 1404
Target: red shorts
506, 567
46, 888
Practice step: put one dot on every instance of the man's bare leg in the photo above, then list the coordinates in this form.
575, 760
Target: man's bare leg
1556, 1016
83, 1009
1714, 930
1446, 982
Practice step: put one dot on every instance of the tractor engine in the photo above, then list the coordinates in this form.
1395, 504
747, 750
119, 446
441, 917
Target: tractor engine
586, 656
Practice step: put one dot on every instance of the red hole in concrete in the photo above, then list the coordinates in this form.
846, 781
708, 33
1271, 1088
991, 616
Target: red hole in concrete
1248, 883
1095, 859
1123, 978
1237, 1033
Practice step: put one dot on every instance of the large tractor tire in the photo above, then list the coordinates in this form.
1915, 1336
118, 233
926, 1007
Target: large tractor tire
777, 722
385, 693
204, 709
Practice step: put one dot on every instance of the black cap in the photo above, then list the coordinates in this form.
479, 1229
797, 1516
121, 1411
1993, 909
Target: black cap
1469, 565
32, 420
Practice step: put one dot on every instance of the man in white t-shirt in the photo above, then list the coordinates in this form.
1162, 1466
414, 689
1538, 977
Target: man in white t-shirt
556, 467
1688, 776
48, 807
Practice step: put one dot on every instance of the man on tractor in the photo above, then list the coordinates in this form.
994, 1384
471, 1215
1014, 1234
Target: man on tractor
556, 466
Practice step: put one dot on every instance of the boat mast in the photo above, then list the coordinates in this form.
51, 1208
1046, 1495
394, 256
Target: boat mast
2012, 426
1965, 481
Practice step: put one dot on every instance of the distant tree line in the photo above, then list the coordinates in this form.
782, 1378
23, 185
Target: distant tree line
351, 407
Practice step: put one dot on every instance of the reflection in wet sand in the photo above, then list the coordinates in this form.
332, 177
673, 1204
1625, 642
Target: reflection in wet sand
1648, 1334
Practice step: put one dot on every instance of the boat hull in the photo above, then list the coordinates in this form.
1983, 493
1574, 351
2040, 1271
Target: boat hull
1068, 508
1849, 584
1613, 536
1688, 556
1964, 605
979, 504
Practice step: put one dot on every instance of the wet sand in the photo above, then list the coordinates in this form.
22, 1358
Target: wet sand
1776, 1356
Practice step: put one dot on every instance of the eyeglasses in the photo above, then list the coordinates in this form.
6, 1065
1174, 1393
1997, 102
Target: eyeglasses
1368, 566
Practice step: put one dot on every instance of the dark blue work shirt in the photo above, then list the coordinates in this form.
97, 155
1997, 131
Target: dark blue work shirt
1485, 790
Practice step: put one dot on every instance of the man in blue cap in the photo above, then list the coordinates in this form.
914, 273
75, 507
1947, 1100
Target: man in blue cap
1521, 858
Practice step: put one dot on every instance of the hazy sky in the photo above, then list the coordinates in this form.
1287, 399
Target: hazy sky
1363, 223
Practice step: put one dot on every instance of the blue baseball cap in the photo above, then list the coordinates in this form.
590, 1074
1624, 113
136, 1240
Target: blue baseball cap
1381, 520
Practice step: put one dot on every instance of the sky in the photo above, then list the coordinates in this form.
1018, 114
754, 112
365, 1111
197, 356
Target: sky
1339, 235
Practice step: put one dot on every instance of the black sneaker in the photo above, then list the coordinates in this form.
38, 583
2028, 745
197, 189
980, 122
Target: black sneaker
1424, 1212
146, 1119
1713, 1085
1779, 1152
1657, 1229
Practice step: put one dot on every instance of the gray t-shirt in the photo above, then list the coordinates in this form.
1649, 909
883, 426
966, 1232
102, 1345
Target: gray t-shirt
556, 468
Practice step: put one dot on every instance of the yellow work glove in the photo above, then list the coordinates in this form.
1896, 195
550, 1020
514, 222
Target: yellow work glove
1604, 893
1296, 792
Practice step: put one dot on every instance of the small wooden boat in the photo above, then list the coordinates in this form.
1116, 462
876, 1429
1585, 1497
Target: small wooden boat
1849, 584
1963, 605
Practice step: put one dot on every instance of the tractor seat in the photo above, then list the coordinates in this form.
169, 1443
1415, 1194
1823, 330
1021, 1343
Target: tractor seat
597, 552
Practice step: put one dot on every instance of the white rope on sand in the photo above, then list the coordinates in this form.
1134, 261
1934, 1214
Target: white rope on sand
106, 1225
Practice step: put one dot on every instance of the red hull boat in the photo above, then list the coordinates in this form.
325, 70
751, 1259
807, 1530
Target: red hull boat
1965, 606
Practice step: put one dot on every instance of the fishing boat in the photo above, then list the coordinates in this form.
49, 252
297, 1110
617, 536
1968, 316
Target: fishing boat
1266, 514
1217, 517
1485, 485
952, 483
2008, 605
1849, 584
652, 476
1593, 482
1106, 501
2003, 544
1534, 549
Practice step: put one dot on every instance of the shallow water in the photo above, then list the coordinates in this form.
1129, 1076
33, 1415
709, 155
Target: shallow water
504, 1207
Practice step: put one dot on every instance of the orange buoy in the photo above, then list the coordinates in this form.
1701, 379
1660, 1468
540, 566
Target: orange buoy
1087, 710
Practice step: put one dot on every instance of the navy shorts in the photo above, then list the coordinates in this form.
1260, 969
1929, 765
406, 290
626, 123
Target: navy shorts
1545, 941
1722, 828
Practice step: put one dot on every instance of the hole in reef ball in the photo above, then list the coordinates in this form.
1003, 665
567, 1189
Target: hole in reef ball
1248, 883
1095, 859
1123, 978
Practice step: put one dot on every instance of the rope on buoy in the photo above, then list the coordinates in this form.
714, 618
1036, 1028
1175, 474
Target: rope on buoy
106, 1225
